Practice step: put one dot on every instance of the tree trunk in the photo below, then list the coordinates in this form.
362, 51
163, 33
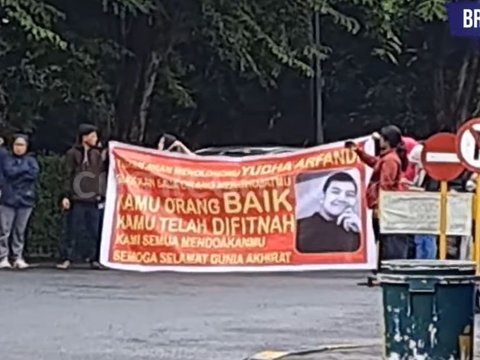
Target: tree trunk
440, 104
455, 86
150, 79
125, 101
467, 89
439, 96
136, 40
152, 41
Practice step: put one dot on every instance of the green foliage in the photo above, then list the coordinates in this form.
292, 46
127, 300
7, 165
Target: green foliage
46, 224
140, 67
36, 18
123, 7
92, 57
218, 71
260, 37
431, 10
390, 20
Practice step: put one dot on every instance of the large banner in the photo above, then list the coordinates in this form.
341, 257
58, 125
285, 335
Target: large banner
299, 211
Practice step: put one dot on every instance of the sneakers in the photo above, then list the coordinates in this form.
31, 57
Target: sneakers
5, 264
20, 264
64, 265
95, 265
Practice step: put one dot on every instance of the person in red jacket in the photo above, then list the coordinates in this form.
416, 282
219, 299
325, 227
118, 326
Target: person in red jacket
388, 169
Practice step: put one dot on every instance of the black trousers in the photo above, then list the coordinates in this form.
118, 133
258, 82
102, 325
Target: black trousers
81, 226
391, 246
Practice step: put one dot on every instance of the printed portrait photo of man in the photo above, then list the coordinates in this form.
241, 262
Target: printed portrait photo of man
335, 225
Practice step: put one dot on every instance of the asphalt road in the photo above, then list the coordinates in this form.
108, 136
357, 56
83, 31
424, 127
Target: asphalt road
82, 315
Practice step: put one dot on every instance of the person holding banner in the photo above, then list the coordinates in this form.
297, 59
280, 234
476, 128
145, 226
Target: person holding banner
388, 169
169, 142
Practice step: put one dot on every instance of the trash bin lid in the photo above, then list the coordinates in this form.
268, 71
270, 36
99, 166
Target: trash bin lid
428, 267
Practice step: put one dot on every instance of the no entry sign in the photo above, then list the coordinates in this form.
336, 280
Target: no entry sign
468, 141
468, 148
440, 159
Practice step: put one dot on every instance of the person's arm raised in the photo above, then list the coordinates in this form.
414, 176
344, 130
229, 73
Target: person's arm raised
181, 147
364, 157
367, 159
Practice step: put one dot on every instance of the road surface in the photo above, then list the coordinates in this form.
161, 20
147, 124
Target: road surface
82, 315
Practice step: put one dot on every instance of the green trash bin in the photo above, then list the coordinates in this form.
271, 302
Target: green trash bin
429, 309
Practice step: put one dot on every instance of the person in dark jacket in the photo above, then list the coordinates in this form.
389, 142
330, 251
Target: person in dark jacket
84, 171
20, 173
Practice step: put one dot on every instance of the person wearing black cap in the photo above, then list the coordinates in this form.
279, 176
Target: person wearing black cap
388, 169
20, 172
84, 167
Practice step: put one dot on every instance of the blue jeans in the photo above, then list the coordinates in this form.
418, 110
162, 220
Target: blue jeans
426, 246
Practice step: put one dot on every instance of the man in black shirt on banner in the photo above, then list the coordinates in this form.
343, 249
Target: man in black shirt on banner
336, 226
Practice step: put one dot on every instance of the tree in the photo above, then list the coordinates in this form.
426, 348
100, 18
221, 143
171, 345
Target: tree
256, 39
228, 71
429, 80
111, 59
450, 66
44, 69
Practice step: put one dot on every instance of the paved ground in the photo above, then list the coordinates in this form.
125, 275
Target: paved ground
106, 315
82, 315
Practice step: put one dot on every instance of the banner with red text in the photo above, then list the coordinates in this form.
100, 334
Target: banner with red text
297, 211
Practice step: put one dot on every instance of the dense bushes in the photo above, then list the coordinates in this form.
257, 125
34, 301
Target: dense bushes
45, 227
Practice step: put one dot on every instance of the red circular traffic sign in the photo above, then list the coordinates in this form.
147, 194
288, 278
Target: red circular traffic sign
440, 159
468, 144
